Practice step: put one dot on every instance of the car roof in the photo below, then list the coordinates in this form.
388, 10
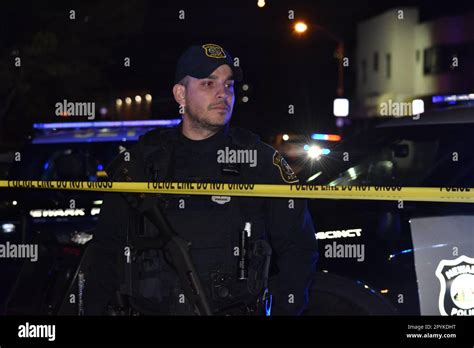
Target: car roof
454, 115
95, 132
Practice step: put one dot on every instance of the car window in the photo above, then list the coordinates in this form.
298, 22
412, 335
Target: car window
403, 162
81, 161
414, 156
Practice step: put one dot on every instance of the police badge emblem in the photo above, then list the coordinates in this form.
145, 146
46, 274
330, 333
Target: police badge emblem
457, 286
287, 174
214, 51
221, 199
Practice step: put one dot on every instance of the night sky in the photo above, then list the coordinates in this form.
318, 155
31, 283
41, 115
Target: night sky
82, 59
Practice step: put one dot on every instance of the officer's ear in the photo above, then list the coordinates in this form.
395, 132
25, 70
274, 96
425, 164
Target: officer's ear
179, 91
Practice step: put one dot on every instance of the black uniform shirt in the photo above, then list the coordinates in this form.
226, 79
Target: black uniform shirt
213, 224
195, 160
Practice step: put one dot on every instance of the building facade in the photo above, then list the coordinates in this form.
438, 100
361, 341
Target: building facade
400, 59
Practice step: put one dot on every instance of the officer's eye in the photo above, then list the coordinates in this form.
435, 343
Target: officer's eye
208, 83
229, 85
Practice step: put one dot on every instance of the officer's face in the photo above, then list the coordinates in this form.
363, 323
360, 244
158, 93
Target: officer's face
209, 102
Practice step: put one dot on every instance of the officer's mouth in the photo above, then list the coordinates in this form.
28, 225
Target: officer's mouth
220, 107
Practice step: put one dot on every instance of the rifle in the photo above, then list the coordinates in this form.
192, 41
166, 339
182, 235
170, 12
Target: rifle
172, 244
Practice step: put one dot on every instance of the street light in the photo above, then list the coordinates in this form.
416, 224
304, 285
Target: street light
301, 27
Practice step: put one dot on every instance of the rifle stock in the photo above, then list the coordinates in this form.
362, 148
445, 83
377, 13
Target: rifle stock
176, 247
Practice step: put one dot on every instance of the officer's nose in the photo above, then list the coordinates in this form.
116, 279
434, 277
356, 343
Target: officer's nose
222, 92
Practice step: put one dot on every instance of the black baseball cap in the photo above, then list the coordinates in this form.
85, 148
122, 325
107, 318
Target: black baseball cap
199, 61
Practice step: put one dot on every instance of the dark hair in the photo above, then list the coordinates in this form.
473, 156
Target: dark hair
184, 81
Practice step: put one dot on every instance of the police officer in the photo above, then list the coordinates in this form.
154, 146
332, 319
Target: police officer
243, 248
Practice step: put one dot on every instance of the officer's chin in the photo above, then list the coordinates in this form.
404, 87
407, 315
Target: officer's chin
221, 121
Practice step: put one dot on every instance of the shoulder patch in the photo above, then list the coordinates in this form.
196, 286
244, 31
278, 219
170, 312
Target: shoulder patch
287, 174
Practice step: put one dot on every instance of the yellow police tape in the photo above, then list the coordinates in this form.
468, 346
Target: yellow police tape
430, 194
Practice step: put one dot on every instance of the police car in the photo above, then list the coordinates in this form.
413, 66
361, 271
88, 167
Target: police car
58, 222
376, 257
303, 151
398, 257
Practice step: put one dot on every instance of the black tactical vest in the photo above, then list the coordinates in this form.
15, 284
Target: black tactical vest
213, 224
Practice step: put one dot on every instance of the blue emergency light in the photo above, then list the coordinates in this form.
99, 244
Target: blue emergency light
94, 132
327, 137
107, 124
452, 99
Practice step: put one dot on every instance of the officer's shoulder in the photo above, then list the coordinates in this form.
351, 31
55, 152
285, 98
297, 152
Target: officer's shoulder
275, 166
157, 136
272, 164
244, 138
266, 149
133, 157
248, 139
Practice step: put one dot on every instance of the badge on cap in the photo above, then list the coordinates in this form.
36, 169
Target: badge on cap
214, 51
287, 174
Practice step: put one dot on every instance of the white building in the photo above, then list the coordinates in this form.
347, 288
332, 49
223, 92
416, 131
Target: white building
400, 59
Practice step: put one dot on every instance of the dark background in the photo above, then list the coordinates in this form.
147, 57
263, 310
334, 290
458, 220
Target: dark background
82, 59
